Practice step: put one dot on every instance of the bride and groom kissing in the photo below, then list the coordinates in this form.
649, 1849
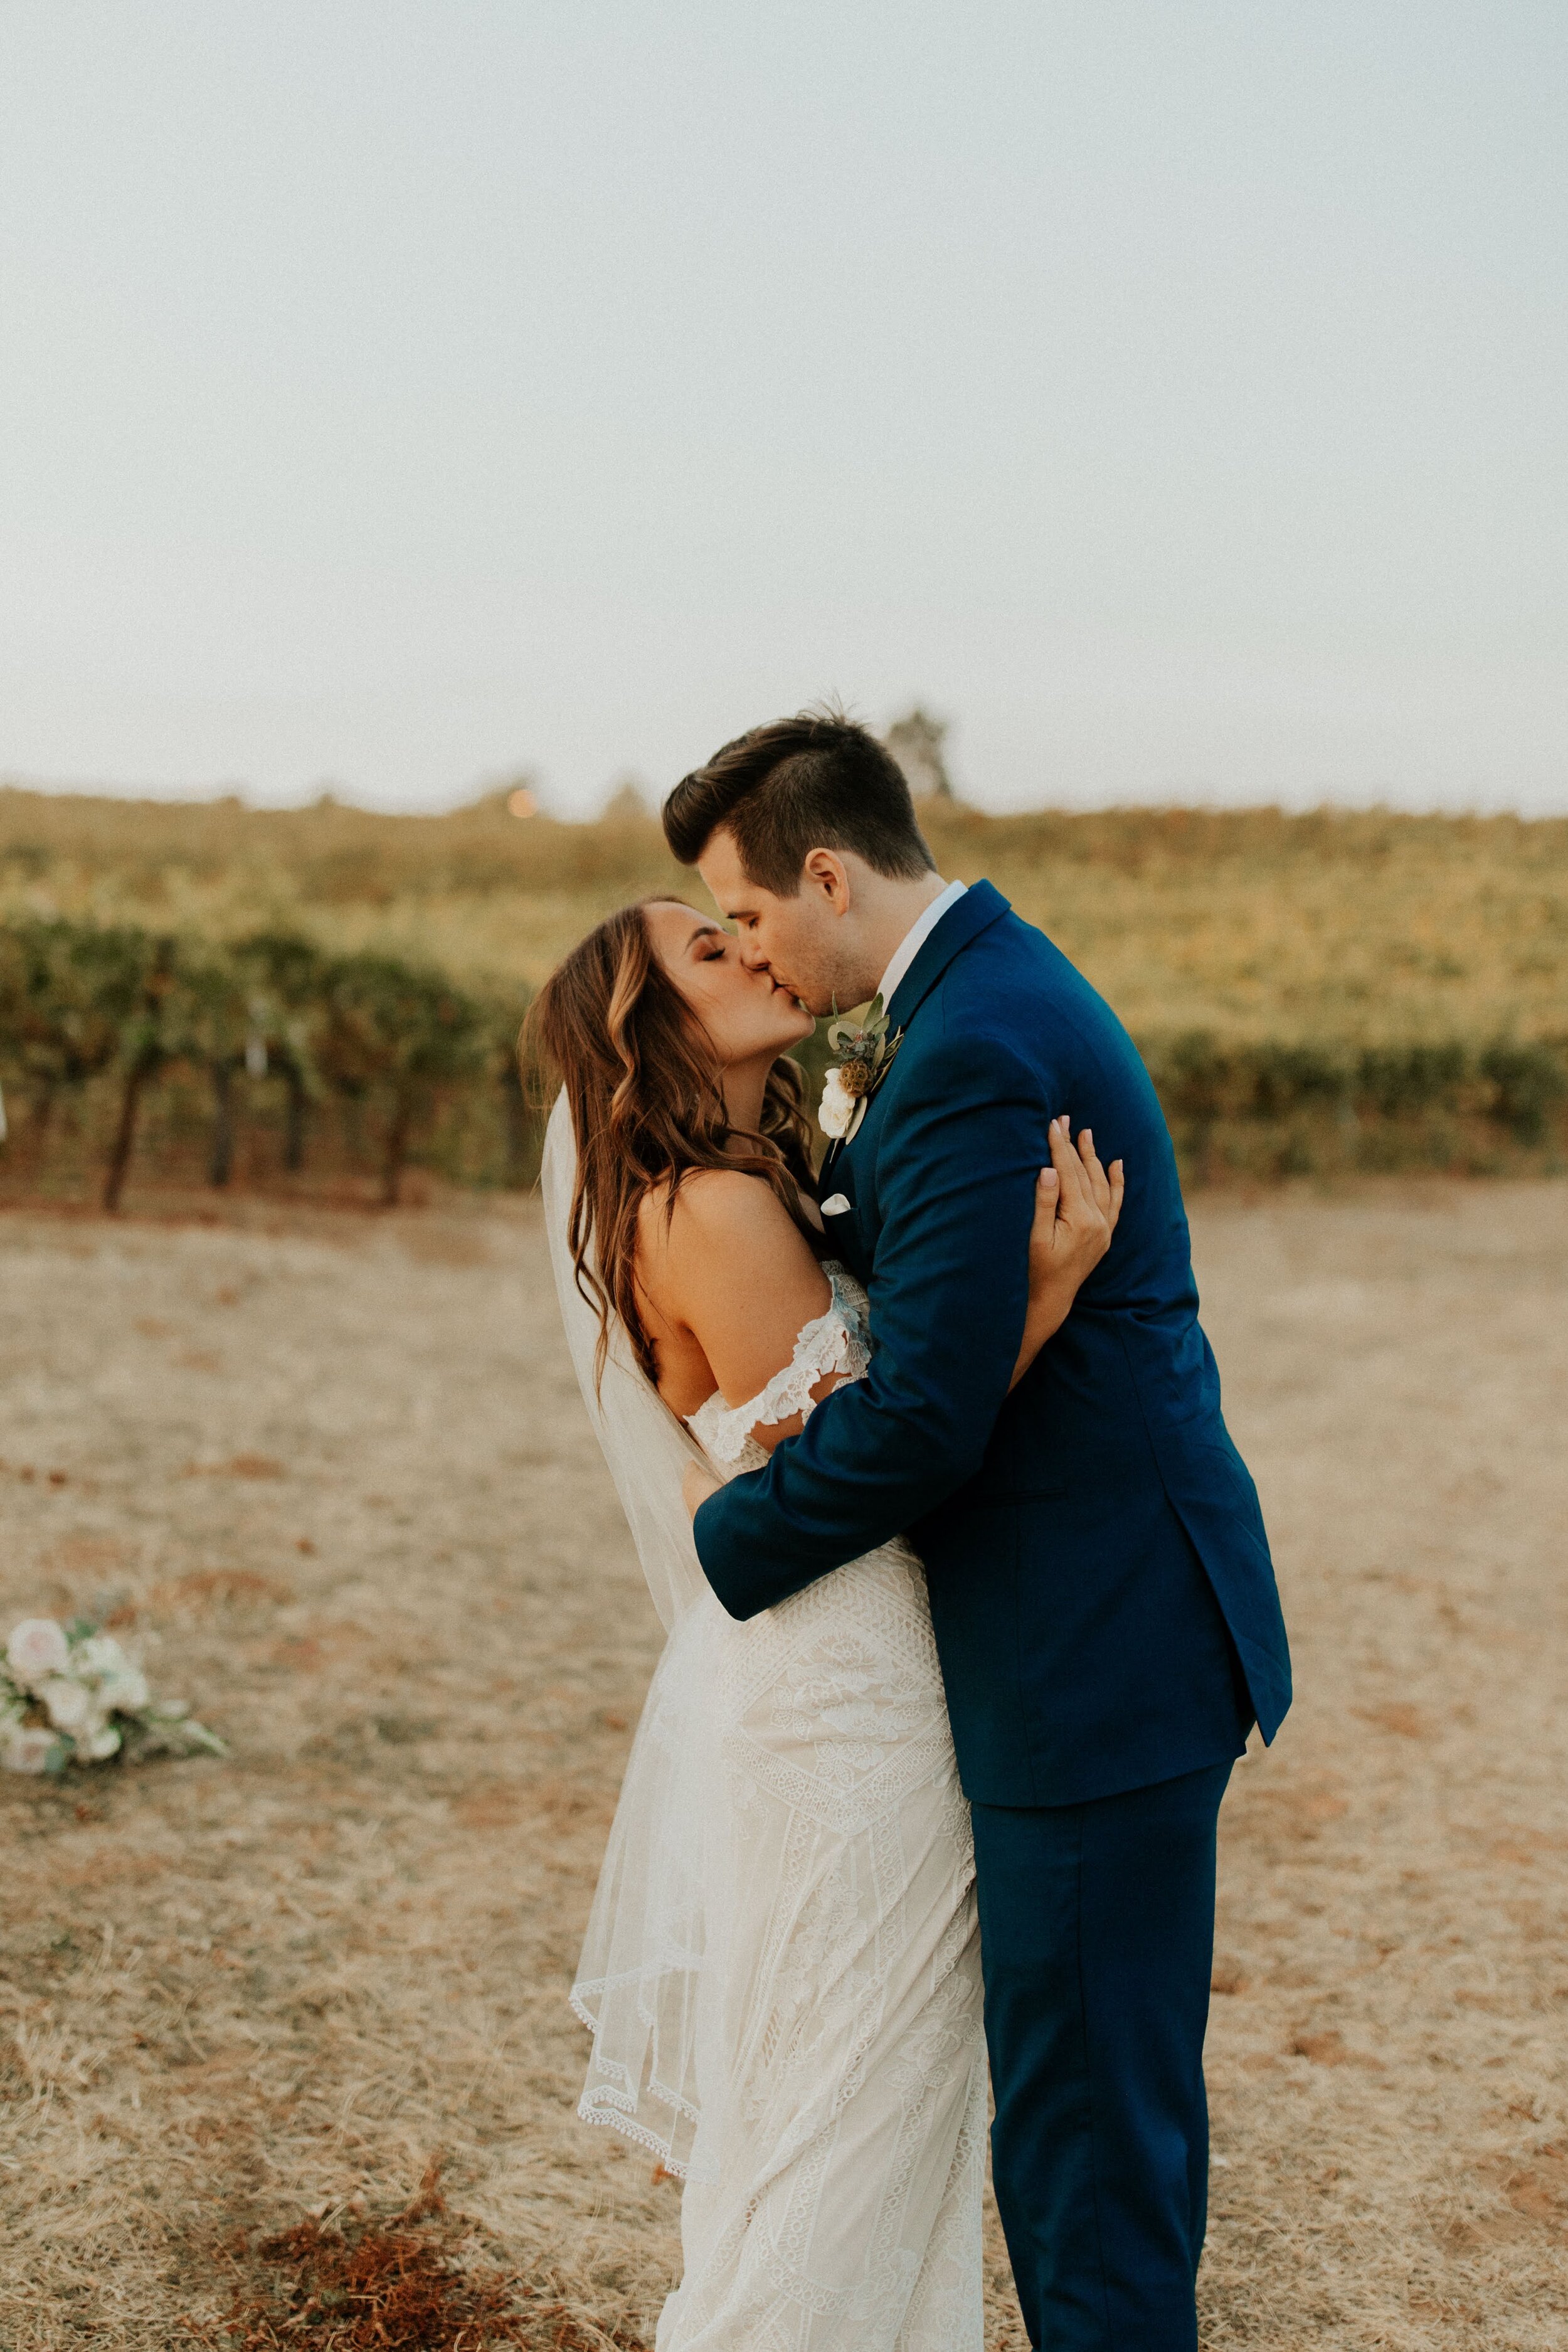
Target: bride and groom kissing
968, 1601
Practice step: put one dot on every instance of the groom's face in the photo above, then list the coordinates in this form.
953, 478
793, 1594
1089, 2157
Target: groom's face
803, 941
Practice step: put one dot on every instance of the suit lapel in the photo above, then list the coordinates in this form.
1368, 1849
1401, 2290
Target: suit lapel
981, 906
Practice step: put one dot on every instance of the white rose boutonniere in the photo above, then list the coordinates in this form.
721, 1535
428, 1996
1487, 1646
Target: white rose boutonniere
865, 1051
837, 1107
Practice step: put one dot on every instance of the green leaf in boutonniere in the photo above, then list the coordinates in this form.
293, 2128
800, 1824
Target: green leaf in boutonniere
864, 1049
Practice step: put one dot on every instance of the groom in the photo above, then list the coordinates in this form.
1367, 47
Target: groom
1100, 1585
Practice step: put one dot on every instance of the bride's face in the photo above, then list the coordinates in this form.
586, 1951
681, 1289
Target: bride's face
746, 1014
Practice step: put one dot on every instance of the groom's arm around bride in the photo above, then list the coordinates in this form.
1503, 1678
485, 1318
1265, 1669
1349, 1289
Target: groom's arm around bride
1100, 1585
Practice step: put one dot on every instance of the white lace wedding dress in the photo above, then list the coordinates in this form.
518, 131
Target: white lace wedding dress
781, 1969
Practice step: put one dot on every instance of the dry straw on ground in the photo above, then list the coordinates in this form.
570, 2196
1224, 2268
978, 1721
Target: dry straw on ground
334, 1472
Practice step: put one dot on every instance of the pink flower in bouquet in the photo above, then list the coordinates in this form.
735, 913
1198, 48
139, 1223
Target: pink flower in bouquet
37, 1649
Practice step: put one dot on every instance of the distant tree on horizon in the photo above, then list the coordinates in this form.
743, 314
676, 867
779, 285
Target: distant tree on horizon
916, 743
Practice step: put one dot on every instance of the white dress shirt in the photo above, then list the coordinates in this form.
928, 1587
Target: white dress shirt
915, 937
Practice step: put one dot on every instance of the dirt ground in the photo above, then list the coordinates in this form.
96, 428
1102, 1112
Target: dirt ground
333, 1474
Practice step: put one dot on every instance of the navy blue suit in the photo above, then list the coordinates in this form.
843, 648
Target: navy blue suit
1100, 1586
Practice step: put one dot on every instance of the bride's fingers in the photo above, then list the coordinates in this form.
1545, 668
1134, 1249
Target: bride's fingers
1089, 1198
1082, 1199
1047, 1199
1066, 1161
1076, 1204
1099, 1183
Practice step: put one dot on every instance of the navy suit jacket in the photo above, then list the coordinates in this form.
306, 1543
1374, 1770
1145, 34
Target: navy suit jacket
1100, 1584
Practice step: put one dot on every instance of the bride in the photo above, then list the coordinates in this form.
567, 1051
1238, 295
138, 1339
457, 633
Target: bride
781, 1969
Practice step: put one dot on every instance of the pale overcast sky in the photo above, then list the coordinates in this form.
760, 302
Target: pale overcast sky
398, 394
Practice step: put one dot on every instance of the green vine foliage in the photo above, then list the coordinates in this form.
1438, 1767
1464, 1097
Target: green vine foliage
265, 1048
128, 1054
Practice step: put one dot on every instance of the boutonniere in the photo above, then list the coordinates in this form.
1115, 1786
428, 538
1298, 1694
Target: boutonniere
866, 1050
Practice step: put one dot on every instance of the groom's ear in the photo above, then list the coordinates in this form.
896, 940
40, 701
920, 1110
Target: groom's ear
826, 875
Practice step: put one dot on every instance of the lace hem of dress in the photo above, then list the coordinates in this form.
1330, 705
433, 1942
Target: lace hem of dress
830, 1343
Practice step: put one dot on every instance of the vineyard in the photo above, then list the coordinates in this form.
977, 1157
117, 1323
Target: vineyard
320, 998
250, 1042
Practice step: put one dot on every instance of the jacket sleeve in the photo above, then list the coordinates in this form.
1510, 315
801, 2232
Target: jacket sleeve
955, 1178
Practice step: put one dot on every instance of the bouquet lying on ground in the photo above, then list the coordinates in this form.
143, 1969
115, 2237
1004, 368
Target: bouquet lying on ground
68, 1694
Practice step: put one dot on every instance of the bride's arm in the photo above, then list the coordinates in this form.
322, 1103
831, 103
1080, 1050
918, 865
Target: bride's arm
731, 1271
1077, 1205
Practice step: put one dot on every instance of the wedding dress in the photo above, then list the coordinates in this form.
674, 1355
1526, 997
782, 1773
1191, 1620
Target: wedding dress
782, 1967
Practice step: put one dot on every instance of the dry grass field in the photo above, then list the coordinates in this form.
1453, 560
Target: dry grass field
1339, 993
333, 1474
1358, 927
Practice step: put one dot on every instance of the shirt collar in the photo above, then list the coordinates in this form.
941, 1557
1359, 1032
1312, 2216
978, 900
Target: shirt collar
915, 937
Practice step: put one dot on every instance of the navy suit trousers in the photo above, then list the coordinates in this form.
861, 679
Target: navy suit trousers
1097, 1941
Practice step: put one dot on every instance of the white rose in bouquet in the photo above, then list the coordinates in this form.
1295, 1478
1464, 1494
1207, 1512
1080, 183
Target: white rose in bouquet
100, 1653
69, 1703
25, 1748
37, 1650
125, 1692
96, 1743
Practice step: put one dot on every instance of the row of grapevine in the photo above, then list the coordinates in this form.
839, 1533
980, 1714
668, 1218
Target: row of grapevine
84, 1007
1271, 1108
1268, 1108
381, 1059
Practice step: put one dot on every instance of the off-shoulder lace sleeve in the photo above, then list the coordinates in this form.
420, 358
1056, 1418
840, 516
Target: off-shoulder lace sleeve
832, 1342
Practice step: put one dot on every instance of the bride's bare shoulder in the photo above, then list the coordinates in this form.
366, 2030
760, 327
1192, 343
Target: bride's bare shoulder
727, 1263
714, 1209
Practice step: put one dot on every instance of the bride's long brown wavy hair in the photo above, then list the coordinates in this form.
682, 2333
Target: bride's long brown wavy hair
642, 1083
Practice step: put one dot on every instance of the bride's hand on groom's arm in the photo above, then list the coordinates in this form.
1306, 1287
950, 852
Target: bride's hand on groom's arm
1077, 1204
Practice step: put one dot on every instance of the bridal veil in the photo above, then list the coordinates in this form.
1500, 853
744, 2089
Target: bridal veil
639, 1982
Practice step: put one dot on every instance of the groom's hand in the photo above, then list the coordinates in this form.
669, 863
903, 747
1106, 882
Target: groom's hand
696, 1485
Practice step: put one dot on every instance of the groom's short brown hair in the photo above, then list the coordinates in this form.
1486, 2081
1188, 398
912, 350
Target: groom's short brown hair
814, 781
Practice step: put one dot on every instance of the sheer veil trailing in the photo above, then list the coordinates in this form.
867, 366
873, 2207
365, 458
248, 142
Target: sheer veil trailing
640, 1978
